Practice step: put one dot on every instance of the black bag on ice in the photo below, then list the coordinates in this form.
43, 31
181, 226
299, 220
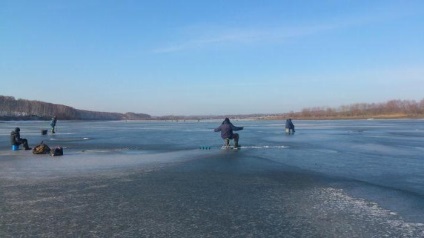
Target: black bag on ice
58, 151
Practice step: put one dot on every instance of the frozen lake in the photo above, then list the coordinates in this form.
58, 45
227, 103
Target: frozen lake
353, 178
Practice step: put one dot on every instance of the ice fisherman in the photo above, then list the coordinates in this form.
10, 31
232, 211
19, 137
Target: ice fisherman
53, 123
15, 139
289, 127
226, 129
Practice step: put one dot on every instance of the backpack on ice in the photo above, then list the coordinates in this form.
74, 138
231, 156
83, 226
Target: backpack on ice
58, 151
41, 149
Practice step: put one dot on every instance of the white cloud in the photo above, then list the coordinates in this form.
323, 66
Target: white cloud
242, 36
209, 36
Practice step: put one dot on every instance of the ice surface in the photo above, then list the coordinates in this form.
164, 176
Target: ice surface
354, 178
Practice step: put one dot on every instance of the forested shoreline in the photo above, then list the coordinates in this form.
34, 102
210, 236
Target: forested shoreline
393, 109
21, 109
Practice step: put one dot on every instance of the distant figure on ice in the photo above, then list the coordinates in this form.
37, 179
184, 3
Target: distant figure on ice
15, 139
289, 127
53, 123
226, 129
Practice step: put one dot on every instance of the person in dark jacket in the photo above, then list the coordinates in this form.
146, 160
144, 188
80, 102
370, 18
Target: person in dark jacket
15, 139
226, 129
53, 123
289, 127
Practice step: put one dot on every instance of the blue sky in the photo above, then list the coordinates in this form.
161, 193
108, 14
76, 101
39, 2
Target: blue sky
196, 57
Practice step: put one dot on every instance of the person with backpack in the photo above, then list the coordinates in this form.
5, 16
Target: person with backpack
15, 139
226, 129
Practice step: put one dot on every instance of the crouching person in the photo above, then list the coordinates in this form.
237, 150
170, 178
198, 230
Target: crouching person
289, 127
226, 129
15, 139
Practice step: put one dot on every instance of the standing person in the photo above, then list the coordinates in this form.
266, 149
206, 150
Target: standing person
53, 123
226, 129
15, 139
289, 127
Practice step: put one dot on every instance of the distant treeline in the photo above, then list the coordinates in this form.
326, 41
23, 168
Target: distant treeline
21, 109
390, 109
387, 110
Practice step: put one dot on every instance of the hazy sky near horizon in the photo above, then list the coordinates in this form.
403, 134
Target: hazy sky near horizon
221, 57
